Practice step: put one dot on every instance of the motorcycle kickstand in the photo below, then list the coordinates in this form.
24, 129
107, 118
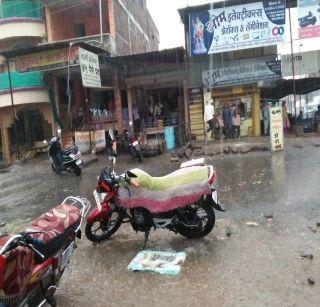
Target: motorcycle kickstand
146, 236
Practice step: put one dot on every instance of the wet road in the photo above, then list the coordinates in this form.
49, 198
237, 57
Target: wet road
255, 266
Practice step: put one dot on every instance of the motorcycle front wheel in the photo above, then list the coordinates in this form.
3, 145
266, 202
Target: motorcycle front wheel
98, 231
196, 221
55, 170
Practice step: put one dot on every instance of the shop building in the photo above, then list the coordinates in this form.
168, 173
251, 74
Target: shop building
117, 27
25, 114
157, 91
224, 65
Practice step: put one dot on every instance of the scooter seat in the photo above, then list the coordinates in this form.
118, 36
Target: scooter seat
160, 194
55, 227
69, 150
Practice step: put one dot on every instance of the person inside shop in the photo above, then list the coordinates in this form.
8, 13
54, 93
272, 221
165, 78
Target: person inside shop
242, 109
236, 124
286, 123
158, 108
265, 117
208, 114
136, 118
218, 126
227, 121
317, 119
300, 117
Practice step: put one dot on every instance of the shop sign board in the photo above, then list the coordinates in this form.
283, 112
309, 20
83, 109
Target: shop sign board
308, 18
304, 63
98, 139
46, 59
90, 69
82, 140
276, 129
244, 26
242, 72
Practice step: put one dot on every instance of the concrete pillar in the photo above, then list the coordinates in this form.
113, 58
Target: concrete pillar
110, 14
117, 99
49, 27
186, 107
5, 144
129, 95
256, 112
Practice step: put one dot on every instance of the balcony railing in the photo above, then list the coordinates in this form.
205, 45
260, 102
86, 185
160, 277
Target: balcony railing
20, 80
20, 9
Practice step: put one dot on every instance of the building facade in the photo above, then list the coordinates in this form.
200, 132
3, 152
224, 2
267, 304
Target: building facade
25, 115
116, 27
232, 58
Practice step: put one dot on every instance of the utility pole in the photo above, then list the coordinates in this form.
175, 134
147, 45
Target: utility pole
100, 15
292, 63
13, 110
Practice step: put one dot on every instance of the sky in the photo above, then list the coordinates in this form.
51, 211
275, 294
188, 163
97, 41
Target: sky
165, 15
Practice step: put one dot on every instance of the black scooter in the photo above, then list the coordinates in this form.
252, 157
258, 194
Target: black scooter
67, 160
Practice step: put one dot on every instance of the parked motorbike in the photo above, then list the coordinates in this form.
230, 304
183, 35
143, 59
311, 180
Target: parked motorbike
67, 160
33, 262
183, 201
128, 142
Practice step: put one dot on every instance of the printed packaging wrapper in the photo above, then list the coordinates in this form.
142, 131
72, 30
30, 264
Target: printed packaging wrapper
164, 263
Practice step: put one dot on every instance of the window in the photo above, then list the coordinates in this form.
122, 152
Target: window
79, 29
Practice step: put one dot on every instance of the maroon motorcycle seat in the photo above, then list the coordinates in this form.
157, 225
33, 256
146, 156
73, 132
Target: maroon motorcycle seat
54, 227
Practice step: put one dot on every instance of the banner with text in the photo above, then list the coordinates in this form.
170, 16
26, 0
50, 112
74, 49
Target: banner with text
242, 72
276, 128
308, 18
237, 27
90, 69
305, 63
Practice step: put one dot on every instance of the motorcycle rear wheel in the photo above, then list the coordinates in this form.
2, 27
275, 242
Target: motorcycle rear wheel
107, 227
207, 216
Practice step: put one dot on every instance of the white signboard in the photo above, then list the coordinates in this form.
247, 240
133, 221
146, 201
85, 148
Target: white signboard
237, 27
308, 18
304, 63
241, 72
90, 70
276, 129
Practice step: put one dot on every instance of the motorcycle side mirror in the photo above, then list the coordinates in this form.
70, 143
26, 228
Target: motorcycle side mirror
111, 134
131, 175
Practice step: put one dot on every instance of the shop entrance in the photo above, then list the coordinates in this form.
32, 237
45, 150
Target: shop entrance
231, 112
237, 112
164, 108
30, 128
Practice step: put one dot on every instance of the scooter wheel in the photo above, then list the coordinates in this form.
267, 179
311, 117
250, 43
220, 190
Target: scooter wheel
76, 169
139, 156
55, 169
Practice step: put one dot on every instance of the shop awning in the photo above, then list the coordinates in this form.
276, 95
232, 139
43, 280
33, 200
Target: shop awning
285, 88
50, 46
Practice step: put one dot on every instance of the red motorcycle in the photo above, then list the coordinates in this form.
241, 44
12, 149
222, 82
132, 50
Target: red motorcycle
32, 263
183, 201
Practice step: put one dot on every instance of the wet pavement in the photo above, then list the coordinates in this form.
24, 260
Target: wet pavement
259, 264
